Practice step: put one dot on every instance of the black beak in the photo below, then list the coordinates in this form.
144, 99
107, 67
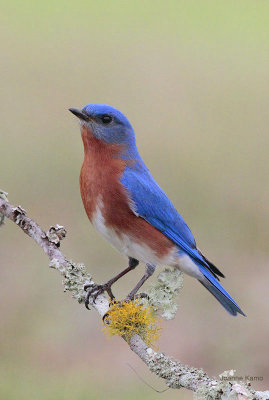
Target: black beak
80, 114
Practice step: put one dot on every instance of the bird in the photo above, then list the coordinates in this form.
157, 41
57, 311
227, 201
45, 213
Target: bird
130, 210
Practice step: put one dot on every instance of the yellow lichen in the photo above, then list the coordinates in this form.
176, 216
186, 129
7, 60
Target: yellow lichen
129, 318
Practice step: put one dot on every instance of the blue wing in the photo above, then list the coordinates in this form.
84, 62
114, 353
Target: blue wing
151, 203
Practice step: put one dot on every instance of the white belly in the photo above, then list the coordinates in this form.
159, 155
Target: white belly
185, 264
127, 245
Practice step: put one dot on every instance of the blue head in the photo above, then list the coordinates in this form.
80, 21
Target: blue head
106, 123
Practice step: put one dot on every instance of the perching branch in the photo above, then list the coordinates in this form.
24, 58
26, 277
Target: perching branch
75, 276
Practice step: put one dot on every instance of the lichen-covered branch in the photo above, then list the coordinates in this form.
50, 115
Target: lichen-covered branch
76, 277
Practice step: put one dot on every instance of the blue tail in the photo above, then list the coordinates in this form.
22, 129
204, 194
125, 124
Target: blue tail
211, 284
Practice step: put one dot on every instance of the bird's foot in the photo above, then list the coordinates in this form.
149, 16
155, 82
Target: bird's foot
95, 290
133, 296
150, 268
141, 296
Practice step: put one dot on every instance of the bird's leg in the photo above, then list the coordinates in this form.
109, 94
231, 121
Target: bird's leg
95, 290
150, 268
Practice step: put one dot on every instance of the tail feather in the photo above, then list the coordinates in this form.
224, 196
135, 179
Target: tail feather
214, 287
213, 267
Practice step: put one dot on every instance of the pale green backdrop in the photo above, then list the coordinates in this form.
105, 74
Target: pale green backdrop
192, 77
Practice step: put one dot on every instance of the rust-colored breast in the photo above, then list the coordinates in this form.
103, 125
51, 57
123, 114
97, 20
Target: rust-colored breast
100, 173
100, 183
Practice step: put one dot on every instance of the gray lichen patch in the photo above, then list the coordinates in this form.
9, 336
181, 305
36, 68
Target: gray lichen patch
3, 195
19, 212
75, 278
55, 234
227, 388
176, 374
164, 292
208, 393
224, 391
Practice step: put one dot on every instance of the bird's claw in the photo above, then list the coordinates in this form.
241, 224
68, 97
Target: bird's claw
131, 296
113, 302
93, 291
141, 296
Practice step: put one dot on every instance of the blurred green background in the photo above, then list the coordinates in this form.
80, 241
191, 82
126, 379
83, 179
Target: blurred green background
192, 77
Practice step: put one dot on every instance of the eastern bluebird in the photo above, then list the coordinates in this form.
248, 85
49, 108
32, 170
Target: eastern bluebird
130, 210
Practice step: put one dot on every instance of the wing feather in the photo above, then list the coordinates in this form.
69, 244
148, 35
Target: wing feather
151, 203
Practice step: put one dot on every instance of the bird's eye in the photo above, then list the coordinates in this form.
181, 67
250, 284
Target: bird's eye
106, 119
